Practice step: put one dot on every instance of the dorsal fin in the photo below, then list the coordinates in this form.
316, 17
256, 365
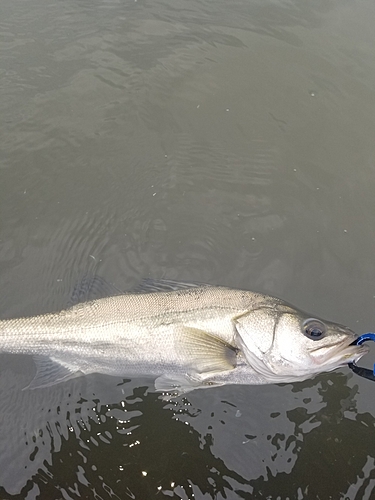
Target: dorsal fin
92, 287
150, 285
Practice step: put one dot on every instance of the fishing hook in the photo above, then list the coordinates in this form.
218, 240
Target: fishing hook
363, 372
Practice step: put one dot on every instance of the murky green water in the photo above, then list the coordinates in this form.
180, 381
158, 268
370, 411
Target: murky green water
224, 142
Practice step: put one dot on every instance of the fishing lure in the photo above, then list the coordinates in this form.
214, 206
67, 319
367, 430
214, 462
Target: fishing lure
363, 372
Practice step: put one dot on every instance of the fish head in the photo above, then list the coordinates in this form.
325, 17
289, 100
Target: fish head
284, 344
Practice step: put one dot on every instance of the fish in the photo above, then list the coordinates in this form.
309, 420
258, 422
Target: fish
184, 336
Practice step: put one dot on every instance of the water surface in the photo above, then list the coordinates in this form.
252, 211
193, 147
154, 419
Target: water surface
230, 143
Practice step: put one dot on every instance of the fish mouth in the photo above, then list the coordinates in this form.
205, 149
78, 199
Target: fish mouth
349, 354
341, 353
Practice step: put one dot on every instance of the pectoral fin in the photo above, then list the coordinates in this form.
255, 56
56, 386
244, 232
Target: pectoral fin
207, 354
51, 372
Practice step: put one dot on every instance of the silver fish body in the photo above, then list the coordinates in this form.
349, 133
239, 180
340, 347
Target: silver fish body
185, 338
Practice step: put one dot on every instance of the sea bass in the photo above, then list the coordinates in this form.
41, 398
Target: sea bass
184, 336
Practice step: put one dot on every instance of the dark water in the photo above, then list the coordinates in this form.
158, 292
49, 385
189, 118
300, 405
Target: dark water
225, 142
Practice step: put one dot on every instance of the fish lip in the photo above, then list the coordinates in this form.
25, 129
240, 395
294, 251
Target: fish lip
343, 353
352, 353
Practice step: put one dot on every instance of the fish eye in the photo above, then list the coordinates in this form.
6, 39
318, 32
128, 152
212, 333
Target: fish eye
314, 329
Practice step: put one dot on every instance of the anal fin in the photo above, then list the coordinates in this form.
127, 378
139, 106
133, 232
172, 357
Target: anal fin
51, 372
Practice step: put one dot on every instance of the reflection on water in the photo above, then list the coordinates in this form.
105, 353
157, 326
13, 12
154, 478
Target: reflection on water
137, 446
97, 438
334, 457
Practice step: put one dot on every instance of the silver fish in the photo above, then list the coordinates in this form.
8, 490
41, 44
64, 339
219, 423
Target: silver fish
185, 336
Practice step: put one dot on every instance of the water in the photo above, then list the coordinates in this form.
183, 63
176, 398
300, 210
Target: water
230, 143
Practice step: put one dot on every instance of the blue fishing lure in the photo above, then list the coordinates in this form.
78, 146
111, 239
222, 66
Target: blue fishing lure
363, 372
